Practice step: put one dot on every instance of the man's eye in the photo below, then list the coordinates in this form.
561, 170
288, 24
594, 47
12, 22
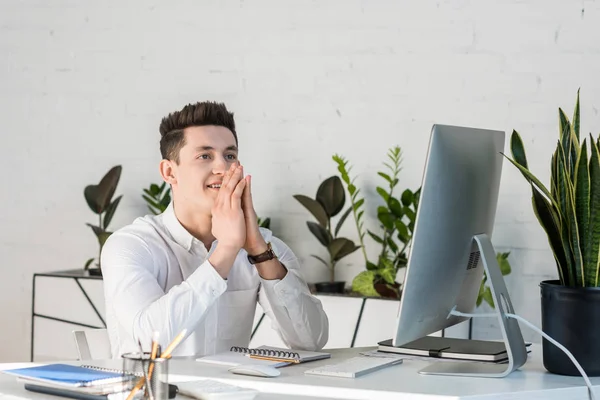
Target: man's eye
204, 156
231, 156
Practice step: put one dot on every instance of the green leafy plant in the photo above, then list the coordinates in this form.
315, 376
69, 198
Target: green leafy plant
264, 223
99, 199
329, 202
157, 197
396, 218
569, 212
485, 293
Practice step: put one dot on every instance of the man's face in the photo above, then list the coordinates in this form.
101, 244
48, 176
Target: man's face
207, 154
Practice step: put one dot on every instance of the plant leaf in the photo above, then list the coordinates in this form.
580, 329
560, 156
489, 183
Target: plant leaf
97, 230
363, 283
576, 117
403, 234
371, 266
151, 202
107, 187
331, 195
393, 246
388, 275
593, 236
502, 259
480, 294
342, 219
154, 189
487, 296
91, 197
385, 176
407, 197
88, 263
110, 211
517, 149
387, 219
341, 248
358, 204
549, 220
375, 237
383, 194
315, 208
395, 207
532, 179
320, 259
582, 207
320, 233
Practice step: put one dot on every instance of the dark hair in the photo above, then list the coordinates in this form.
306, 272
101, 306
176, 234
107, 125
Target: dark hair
199, 114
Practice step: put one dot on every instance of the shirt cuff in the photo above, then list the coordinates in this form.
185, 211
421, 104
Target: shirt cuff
206, 280
287, 288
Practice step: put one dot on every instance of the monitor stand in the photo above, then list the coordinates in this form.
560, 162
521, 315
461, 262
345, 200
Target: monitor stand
511, 332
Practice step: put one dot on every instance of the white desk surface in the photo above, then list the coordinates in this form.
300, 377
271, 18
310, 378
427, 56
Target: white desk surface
402, 381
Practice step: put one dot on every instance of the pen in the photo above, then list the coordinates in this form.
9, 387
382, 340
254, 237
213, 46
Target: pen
165, 354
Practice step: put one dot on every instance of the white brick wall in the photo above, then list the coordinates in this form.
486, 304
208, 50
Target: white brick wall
83, 87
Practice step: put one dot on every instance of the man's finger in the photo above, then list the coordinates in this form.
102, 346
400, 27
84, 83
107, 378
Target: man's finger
227, 175
236, 196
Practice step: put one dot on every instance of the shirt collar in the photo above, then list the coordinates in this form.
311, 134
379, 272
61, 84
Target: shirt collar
177, 231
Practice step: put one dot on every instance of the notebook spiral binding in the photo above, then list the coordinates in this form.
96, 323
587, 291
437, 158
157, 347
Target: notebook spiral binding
117, 371
266, 352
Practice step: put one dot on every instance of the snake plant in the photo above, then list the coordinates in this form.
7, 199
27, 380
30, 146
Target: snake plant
569, 211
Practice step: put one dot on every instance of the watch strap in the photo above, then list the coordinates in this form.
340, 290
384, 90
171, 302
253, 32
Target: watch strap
267, 255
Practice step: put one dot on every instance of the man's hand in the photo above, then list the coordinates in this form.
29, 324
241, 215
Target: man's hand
228, 225
255, 243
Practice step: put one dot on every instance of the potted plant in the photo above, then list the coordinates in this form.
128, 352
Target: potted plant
396, 218
329, 202
99, 199
157, 197
569, 213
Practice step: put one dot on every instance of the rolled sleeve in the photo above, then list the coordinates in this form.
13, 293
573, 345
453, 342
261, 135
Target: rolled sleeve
297, 315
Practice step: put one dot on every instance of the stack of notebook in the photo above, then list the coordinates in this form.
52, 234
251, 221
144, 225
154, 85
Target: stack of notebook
451, 348
74, 381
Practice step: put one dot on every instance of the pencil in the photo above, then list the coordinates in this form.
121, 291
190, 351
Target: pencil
290, 360
153, 354
173, 344
165, 354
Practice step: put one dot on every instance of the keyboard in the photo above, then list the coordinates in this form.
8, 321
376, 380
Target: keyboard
207, 389
354, 367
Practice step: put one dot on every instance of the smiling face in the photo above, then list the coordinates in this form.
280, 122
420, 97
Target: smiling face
207, 153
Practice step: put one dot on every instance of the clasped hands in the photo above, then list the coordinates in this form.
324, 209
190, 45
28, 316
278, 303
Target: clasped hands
234, 220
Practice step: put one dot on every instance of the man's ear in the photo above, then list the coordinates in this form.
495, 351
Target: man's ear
167, 171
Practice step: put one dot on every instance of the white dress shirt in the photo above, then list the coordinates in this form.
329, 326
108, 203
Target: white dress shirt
157, 277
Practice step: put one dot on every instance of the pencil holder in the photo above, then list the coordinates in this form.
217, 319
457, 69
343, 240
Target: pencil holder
142, 369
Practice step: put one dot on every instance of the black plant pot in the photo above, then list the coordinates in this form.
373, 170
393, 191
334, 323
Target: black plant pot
571, 316
330, 287
95, 271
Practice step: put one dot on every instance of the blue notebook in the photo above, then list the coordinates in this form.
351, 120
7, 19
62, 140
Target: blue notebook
69, 375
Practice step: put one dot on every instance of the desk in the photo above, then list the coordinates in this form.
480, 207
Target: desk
393, 383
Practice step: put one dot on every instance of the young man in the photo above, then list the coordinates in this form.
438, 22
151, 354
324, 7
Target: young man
204, 263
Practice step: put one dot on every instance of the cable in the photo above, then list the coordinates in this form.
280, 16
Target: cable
538, 330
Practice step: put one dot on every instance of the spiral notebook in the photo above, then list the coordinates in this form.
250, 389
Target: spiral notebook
266, 355
68, 375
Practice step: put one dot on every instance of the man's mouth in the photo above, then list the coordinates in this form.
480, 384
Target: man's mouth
215, 186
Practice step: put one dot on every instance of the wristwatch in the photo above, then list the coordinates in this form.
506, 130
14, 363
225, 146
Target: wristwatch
269, 254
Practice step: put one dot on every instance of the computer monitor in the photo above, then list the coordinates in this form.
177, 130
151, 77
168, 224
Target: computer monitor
451, 246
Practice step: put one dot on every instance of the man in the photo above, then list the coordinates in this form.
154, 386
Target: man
204, 262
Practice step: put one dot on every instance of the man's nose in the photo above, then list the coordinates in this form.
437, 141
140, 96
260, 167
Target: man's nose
220, 165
